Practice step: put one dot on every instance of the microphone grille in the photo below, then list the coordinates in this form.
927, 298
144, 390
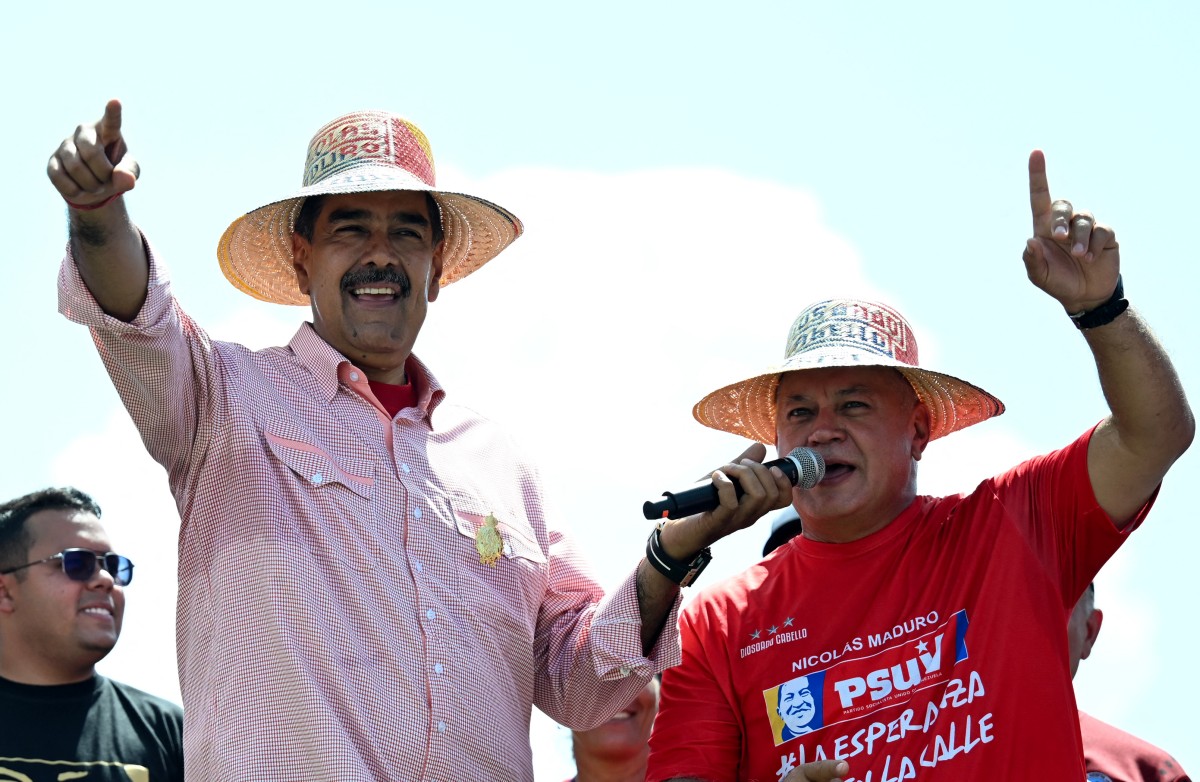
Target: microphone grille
811, 467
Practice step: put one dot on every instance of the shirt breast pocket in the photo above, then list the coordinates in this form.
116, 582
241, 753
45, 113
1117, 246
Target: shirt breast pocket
317, 468
516, 540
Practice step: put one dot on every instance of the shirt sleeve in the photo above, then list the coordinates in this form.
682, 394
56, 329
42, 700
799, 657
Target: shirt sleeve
590, 645
1051, 501
697, 733
161, 363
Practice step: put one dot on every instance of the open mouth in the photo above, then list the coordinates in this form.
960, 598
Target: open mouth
375, 283
375, 293
835, 470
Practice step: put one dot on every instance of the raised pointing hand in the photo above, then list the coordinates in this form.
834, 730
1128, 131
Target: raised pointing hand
1070, 256
93, 165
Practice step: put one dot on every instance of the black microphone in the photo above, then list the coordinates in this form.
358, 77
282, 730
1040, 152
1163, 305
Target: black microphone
804, 467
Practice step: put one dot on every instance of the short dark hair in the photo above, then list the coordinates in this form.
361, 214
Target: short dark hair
306, 219
15, 540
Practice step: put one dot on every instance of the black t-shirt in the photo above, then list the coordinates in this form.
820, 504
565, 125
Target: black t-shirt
96, 731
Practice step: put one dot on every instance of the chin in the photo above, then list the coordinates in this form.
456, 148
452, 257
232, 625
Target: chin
99, 647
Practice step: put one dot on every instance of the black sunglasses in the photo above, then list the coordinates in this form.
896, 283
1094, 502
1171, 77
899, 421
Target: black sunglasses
80, 565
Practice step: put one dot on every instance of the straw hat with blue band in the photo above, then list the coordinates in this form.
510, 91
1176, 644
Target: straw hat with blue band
847, 333
361, 152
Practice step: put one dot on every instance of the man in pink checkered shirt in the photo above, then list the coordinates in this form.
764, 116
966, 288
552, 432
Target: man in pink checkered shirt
359, 558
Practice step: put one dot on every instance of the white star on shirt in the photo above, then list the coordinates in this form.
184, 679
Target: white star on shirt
754, 636
788, 622
772, 629
921, 647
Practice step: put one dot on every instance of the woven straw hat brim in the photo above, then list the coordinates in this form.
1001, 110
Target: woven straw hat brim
747, 408
255, 252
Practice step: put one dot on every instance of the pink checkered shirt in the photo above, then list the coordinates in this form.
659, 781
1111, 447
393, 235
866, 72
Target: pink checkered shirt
334, 620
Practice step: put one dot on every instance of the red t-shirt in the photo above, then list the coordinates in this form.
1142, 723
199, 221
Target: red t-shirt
1120, 757
934, 649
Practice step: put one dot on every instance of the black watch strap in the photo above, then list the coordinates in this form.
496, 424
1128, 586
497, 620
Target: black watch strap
1105, 313
682, 573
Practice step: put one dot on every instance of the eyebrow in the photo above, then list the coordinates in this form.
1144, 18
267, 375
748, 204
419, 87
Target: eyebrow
408, 218
851, 391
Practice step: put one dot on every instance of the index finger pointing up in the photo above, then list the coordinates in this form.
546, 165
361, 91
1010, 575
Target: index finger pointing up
1039, 194
109, 127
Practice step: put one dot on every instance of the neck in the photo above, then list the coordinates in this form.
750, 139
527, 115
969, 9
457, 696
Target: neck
393, 377
620, 768
849, 529
42, 672
383, 371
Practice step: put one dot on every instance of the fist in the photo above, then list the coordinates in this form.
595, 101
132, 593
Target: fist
93, 165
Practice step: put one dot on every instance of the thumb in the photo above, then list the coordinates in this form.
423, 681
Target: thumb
820, 771
125, 174
756, 451
1034, 257
108, 129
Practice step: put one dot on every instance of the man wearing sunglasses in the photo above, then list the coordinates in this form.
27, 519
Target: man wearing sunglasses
62, 598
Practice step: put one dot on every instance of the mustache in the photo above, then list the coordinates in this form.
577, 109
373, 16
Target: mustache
368, 275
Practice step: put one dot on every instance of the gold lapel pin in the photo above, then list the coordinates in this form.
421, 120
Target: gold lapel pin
488, 542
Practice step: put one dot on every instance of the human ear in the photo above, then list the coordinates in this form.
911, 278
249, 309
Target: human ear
1093, 631
301, 252
920, 427
6, 598
435, 273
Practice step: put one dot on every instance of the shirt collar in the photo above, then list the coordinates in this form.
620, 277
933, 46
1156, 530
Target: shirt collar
323, 363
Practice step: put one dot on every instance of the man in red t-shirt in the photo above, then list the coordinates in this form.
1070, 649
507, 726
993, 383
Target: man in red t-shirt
929, 631
1111, 754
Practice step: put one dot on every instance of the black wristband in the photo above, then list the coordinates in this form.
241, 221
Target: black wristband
682, 573
1105, 313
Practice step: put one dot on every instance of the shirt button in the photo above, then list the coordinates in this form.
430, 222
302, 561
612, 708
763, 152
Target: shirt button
507, 550
317, 478
437, 668
416, 513
354, 376
441, 727
431, 615
625, 671
406, 468
418, 566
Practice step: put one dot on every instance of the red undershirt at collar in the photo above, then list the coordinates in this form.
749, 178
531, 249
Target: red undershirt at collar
395, 398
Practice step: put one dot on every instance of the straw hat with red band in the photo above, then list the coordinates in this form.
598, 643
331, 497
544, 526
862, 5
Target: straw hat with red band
360, 152
847, 333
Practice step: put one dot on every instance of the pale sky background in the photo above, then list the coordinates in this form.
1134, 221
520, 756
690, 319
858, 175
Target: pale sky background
690, 176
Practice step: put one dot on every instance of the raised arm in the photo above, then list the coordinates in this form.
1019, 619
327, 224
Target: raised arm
1077, 261
91, 170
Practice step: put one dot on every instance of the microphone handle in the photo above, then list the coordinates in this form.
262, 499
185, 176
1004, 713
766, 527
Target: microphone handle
678, 505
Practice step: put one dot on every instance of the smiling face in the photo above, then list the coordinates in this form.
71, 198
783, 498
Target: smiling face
370, 270
625, 737
54, 630
796, 705
868, 425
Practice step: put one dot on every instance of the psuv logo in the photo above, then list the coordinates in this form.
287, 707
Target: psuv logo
901, 677
855, 687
